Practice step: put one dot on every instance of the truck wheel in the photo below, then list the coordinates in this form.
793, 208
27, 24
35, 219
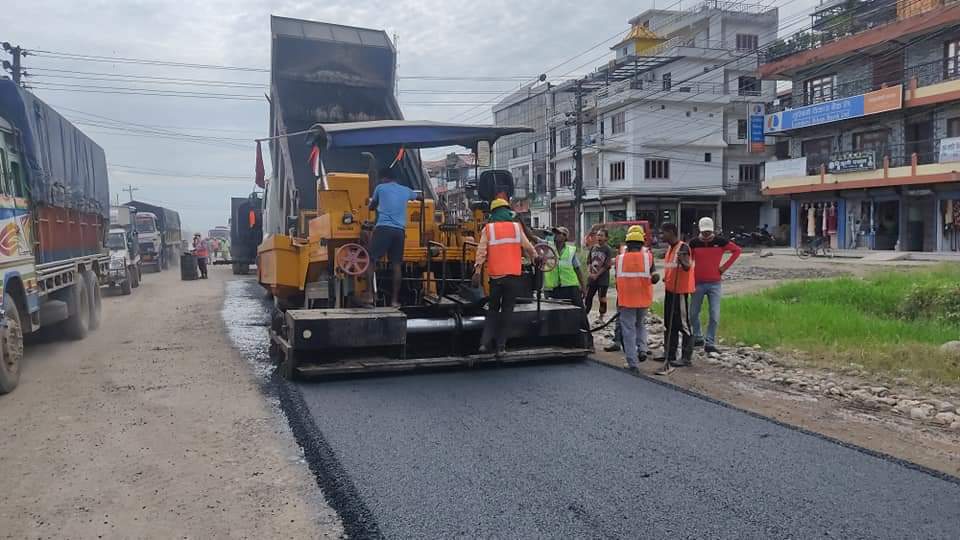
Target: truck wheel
135, 278
95, 303
11, 343
77, 326
125, 287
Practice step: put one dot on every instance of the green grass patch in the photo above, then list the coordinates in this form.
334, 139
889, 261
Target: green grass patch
892, 322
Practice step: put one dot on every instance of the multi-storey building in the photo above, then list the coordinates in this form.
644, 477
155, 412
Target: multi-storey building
666, 122
869, 142
454, 179
525, 155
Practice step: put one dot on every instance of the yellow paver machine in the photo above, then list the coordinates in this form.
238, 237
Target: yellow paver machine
317, 270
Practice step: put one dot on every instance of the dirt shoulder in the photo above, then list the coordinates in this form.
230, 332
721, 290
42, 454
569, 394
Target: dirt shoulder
152, 427
929, 446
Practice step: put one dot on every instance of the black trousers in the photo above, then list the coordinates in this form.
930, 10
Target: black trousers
598, 287
202, 266
676, 319
503, 298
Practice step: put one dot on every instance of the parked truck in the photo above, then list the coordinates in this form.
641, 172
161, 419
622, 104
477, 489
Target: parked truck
123, 242
246, 232
160, 236
54, 211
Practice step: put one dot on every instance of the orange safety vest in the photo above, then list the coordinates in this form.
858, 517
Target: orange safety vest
504, 248
676, 279
634, 288
200, 249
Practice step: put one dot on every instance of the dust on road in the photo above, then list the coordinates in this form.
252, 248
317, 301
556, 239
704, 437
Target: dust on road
152, 427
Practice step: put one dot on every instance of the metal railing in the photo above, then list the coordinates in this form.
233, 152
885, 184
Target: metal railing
859, 19
927, 151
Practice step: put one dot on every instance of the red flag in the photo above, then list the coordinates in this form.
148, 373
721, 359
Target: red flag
260, 178
314, 160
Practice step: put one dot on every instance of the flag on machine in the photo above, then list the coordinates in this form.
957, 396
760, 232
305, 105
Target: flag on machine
260, 172
314, 160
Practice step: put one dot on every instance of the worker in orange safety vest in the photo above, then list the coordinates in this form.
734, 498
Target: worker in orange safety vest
679, 282
501, 247
635, 272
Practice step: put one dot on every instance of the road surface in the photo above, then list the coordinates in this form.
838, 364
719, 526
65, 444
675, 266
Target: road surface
585, 451
152, 427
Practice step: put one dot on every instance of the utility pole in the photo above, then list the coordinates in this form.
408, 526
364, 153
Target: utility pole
130, 189
15, 69
578, 161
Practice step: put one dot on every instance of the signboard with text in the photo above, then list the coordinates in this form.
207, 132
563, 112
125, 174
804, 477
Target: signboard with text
785, 168
950, 149
885, 99
852, 162
757, 142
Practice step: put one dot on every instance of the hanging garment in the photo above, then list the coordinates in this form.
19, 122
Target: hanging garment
811, 221
818, 221
948, 213
832, 220
956, 214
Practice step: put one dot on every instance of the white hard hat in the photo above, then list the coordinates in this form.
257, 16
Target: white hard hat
706, 224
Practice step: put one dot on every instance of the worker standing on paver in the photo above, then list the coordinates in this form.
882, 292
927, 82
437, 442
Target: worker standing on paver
708, 250
502, 245
635, 280
389, 199
679, 282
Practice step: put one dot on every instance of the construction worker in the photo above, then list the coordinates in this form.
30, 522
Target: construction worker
635, 280
201, 253
637, 232
679, 282
600, 259
502, 244
565, 281
389, 199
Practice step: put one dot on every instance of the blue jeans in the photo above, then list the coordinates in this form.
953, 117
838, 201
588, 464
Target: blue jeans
712, 292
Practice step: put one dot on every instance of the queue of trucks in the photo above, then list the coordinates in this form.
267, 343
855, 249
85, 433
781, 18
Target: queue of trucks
60, 240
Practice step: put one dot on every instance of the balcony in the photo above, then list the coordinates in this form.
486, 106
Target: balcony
630, 90
916, 162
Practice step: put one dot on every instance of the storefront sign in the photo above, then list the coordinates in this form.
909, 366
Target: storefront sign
786, 168
885, 99
950, 149
852, 162
757, 143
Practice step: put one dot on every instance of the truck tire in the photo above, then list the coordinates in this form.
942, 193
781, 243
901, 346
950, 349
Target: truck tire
95, 301
11, 343
126, 287
78, 325
135, 277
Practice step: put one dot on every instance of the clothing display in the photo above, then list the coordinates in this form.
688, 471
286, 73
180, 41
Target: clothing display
832, 219
951, 225
818, 219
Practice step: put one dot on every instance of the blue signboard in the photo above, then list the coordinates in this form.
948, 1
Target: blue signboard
757, 142
885, 99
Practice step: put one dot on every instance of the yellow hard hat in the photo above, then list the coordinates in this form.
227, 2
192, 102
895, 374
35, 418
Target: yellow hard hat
634, 228
636, 235
498, 203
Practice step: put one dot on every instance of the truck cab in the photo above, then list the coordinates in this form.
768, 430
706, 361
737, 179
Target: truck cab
124, 270
150, 239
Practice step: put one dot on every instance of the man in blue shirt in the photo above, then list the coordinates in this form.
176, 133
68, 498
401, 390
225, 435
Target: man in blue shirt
390, 201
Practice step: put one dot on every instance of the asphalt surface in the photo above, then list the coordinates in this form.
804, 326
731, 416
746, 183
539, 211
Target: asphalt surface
585, 451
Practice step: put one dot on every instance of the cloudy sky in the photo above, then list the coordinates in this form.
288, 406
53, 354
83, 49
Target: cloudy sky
191, 149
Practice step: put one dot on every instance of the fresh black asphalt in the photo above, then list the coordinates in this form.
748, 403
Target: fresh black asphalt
584, 451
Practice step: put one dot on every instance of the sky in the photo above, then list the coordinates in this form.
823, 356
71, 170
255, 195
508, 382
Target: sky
194, 150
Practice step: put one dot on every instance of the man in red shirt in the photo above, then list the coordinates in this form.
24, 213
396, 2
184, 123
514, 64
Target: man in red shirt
708, 250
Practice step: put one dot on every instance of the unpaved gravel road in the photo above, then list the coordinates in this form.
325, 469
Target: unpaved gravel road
152, 427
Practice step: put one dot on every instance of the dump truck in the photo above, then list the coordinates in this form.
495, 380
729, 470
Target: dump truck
54, 213
332, 100
124, 271
160, 237
246, 232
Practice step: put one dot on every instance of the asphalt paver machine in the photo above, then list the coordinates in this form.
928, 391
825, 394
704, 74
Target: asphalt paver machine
317, 269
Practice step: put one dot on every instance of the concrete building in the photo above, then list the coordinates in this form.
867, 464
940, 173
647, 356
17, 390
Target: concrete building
871, 134
666, 121
454, 178
525, 155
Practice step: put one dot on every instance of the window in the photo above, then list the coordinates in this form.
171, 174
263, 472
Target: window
667, 81
707, 157
819, 90
742, 128
953, 127
618, 170
817, 152
656, 169
619, 124
514, 152
782, 150
565, 138
748, 86
536, 147
747, 42
553, 142
601, 128
566, 178
3, 173
951, 59
871, 140
750, 173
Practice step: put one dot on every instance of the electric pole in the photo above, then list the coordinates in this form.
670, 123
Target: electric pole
130, 189
578, 163
15, 69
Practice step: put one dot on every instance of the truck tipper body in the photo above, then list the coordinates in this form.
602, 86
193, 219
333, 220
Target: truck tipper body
54, 215
159, 232
123, 245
